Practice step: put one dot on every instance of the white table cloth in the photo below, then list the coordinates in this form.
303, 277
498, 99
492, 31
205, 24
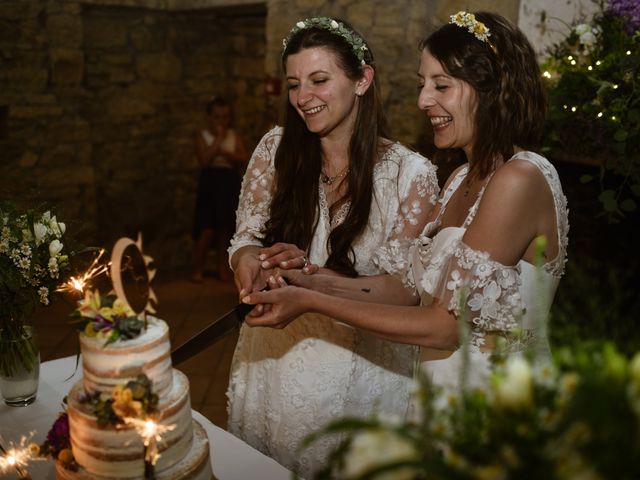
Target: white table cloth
231, 458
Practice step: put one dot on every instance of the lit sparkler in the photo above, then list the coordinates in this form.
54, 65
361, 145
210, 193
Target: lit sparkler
16, 458
79, 283
151, 433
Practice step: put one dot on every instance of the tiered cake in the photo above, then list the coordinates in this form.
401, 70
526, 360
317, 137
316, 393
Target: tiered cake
117, 451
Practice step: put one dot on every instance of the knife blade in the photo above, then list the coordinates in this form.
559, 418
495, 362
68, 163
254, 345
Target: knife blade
211, 334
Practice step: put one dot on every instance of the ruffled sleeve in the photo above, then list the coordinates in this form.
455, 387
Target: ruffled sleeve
256, 193
418, 192
472, 285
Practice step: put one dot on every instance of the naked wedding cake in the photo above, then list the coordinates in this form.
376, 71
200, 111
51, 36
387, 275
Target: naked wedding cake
117, 451
130, 415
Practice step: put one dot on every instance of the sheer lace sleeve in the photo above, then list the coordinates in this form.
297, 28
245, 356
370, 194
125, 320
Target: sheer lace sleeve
255, 196
469, 283
418, 193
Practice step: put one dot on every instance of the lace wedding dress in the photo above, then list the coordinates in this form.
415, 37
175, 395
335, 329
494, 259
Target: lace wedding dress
498, 298
286, 384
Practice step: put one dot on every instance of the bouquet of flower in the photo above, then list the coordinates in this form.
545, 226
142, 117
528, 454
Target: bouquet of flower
593, 90
578, 417
33, 264
106, 317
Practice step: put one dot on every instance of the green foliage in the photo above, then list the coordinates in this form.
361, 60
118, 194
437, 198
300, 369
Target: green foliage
594, 106
578, 417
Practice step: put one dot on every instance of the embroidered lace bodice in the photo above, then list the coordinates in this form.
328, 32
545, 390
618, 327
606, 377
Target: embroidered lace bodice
496, 298
285, 384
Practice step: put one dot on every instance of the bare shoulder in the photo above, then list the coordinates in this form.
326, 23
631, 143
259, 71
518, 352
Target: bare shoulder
516, 178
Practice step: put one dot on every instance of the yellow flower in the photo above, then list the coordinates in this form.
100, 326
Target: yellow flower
123, 403
88, 330
90, 306
65, 456
122, 309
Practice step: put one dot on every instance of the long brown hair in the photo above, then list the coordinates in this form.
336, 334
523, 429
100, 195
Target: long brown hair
294, 208
505, 74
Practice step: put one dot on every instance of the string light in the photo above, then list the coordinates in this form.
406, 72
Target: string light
628, 52
565, 106
613, 117
600, 114
546, 74
615, 86
573, 62
598, 62
589, 68
573, 109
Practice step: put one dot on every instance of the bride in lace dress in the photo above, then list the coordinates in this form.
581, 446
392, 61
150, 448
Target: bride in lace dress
338, 192
478, 257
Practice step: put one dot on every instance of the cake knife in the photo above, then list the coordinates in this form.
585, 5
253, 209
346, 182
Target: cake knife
211, 334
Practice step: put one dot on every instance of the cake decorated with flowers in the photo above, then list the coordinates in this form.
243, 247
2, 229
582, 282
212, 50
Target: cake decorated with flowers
129, 417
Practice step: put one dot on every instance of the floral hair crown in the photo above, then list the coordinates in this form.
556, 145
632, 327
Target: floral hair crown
477, 28
358, 46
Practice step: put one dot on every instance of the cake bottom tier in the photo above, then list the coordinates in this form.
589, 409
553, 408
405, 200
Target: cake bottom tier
196, 465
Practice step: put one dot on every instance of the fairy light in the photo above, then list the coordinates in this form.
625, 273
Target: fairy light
573, 62
589, 68
570, 57
79, 283
573, 109
546, 74
598, 63
615, 86
613, 117
600, 114
565, 106
628, 52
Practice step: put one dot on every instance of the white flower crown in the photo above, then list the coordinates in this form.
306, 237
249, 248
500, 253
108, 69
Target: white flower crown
358, 46
468, 21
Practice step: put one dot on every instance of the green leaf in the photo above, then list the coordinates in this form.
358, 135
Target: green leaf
621, 135
586, 178
608, 199
628, 205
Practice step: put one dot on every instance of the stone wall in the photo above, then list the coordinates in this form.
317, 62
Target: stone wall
99, 99
100, 104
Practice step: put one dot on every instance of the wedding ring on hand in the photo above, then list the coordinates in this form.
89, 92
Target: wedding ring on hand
305, 261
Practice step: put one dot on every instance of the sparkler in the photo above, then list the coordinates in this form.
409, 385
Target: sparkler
151, 433
16, 458
79, 283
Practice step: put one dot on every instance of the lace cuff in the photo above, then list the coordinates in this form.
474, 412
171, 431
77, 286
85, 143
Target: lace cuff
469, 283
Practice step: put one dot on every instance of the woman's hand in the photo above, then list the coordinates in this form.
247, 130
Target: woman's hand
286, 256
282, 306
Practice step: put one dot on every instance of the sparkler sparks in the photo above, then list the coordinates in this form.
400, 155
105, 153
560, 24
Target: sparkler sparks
79, 283
17, 457
151, 433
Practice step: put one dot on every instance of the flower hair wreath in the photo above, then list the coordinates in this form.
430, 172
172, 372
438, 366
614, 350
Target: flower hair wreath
358, 46
478, 29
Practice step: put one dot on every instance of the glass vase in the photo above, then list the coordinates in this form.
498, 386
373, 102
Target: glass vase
19, 367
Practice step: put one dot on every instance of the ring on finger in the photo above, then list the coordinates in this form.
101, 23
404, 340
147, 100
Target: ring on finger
305, 261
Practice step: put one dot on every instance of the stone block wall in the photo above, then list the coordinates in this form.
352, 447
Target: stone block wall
99, 105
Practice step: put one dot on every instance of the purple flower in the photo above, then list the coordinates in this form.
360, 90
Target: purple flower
629, 10
58, 436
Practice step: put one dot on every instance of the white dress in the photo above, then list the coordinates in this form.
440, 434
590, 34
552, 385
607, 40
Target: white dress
286, 384
495, 298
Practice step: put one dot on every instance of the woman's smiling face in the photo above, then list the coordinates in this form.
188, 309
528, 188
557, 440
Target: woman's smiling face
321, 92
450, 104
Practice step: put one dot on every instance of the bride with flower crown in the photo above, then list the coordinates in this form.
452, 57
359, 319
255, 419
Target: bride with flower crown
339, 193
493, 250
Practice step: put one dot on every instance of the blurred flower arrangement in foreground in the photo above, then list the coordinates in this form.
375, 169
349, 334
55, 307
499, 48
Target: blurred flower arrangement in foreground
578, 417
593, 88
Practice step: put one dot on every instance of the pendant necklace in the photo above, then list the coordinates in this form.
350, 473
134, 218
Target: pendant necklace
327, 180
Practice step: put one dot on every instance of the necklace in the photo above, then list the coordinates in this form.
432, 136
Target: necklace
327, 180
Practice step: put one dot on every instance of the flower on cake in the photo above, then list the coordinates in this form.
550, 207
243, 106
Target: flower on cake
106, 317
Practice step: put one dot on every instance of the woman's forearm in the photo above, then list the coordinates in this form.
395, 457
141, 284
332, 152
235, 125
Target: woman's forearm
430, 326
377, 289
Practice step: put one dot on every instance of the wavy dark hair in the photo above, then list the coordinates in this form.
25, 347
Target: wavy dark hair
505, 75
294, 208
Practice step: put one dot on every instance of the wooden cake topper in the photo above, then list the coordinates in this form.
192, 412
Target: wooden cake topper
131, 275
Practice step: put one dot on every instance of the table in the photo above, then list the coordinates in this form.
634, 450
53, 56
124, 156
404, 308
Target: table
231, 458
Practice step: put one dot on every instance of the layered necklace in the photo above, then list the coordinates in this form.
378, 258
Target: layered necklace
327, 180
